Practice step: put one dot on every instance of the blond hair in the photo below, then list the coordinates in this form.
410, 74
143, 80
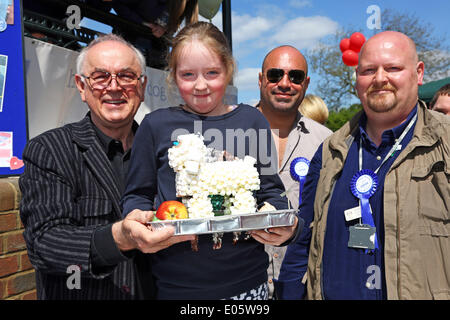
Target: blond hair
211, 37
314, 108
180, 10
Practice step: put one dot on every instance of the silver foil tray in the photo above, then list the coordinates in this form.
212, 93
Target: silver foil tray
230, 223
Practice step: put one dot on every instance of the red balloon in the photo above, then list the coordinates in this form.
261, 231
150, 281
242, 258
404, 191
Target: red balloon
357, 40
344, 45
350, 58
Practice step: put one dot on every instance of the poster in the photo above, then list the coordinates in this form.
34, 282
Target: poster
6, 148
13, 116
3, 64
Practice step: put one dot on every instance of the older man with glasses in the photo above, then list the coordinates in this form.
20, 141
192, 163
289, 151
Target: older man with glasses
283, 82
73, 180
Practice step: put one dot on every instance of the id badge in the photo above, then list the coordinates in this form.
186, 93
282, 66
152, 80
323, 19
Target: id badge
353, 213
362, 236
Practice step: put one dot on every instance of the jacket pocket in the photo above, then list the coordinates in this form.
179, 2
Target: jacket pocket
434, 245
433, 188
433, 180
441, 294
435, 229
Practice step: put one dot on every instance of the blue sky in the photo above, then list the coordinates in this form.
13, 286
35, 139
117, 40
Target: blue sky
260, 25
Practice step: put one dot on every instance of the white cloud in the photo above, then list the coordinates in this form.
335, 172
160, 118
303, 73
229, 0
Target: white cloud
272, 28
247, 79
304, 32
248, 28
268, 26
263, 33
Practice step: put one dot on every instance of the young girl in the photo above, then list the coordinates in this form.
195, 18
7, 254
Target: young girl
201, 66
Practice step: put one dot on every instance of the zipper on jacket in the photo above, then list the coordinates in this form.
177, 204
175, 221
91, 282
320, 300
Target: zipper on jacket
322, 293
398, 238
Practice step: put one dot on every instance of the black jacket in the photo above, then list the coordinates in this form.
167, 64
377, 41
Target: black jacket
68, 190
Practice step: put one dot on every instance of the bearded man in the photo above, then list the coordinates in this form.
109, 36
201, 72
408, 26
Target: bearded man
377, 194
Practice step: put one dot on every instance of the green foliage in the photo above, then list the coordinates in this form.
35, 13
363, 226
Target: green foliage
337, 119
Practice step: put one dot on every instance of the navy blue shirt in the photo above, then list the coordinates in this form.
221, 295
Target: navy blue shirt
348, 273
207, 274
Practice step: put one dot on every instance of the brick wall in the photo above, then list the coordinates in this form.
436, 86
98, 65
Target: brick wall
17, 279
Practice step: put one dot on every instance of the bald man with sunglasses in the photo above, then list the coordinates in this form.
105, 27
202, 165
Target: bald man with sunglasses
283, 82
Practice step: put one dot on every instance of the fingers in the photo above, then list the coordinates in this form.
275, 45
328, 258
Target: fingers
266, 237
134, 233
140, 216
157, 30
151, 240
274, 236
169, 242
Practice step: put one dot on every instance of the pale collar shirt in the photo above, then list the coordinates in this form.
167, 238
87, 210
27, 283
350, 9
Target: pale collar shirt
304, 138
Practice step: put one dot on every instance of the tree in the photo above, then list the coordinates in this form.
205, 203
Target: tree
337, 81
337, 119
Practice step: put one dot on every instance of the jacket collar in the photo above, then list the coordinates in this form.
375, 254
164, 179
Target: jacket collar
83, 133
85, 137
427, 132
298, 128
428, 128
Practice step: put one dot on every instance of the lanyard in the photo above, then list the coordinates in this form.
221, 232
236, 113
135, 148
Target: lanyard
364, 195
394, 147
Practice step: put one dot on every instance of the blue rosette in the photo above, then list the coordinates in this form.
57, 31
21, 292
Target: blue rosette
363, 185
299, 169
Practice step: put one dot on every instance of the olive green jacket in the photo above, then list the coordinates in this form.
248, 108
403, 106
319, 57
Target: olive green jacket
416, 210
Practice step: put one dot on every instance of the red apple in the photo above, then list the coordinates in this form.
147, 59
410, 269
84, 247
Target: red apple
171, 210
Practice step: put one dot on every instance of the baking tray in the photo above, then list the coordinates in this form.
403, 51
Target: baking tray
230, 223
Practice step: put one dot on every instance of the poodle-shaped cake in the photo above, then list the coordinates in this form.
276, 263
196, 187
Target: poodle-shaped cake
207, 184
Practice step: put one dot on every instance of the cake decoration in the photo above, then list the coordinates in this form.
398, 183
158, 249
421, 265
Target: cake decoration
211, 182
208, 185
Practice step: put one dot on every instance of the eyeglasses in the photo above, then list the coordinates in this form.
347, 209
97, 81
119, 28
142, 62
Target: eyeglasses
100, 80
295, 76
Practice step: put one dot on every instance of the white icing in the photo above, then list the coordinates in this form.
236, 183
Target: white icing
199, 173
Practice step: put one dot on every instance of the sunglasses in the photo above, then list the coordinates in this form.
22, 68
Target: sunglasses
295, 76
